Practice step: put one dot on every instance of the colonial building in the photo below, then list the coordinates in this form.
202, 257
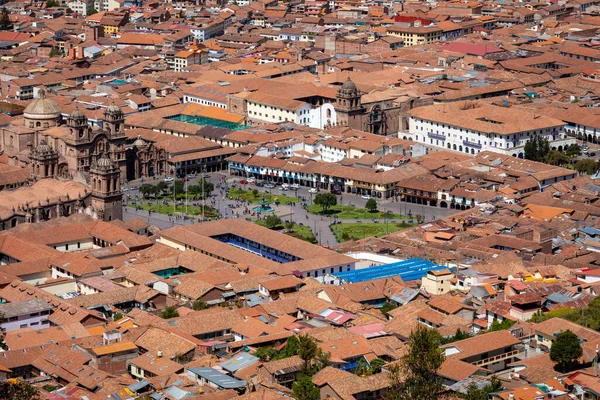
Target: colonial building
379, 112
77, 145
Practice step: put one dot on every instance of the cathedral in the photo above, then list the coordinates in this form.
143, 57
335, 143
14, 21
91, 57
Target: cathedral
382, 112
77, 144
74, 168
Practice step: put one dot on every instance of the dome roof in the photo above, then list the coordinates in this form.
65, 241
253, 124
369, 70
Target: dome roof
103, 163
349, 85
112, 109
43, 147
42, 108
77, 114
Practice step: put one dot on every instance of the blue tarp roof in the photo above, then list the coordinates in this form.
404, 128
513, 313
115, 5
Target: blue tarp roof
408, 270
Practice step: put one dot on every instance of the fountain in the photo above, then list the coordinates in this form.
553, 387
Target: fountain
263, 206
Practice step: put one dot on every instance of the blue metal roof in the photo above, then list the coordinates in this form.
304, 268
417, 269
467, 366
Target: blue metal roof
218, 378
408, 270
238, 362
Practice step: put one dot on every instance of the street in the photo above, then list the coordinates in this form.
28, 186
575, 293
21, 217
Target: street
318, 224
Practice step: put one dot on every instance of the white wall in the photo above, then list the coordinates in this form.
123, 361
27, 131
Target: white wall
514, 144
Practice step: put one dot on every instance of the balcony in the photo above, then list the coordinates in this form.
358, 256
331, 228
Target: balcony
499, 357
471, 144
436, 136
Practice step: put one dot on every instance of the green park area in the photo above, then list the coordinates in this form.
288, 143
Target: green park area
209, 212
298, 231
256, 196
356, 231
351, 212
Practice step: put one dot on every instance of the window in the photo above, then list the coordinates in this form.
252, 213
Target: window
23, 326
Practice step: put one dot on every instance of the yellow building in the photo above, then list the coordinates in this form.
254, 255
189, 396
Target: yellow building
416, 35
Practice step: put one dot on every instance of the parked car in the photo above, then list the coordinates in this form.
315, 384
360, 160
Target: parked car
285, 186
336, 191
313, 190
169, 179
592, 154
206, 176
294, 186
366, 196
244, 182
191, 176
251, 180
260, 184
269, 186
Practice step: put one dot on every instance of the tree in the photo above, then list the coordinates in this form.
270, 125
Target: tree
499, 326
573, 150
325, 200
4, 19
146, 189
291, 347
415, 377
362, 367
162, 186
376, 365
307, 350
169, 312
459, 335
273, 221
305, 389
586, 166
565, 350
531, 149
54, 51
371, 205
266, 353
51, 3
199, 305
117, 316
537, 148
474, 393
92, 11
556, 158
387, 307
18, 390
178, 187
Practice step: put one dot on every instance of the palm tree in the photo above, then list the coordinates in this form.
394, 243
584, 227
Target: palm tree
307, 349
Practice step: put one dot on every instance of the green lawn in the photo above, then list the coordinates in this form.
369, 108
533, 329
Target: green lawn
349, 212
209, 212
298, 231
248, 195
349, 231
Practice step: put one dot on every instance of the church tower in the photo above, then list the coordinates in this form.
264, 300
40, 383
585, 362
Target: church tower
77, 123
105, 180
44, 161
348, 106
114, 121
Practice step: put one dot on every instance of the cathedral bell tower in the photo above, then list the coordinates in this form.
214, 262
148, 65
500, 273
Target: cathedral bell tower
44, 161
347, 104
77, 123
105, 180
114, 121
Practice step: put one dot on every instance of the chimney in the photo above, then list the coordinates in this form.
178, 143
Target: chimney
72, 53
80, 51
159, 354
